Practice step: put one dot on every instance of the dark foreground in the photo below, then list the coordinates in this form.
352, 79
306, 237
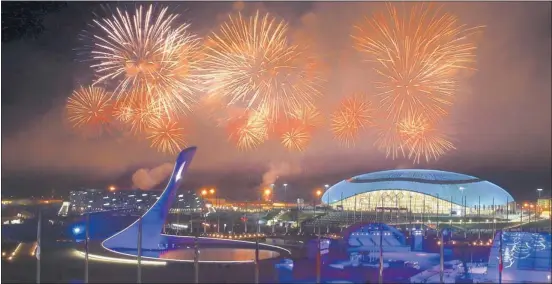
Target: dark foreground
60, 265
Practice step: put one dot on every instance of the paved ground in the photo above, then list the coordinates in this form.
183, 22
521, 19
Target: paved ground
61, 265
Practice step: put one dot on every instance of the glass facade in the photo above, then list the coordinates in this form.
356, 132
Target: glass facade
414, 202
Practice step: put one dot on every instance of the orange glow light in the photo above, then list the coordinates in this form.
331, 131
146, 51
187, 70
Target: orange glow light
112, 188
204, 192
267, 191
212, 191
318, 192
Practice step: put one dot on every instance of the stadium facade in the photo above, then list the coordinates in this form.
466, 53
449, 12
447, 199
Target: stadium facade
418, 191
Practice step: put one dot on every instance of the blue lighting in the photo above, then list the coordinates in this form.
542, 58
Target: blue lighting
154, 218
446, 185
77, 230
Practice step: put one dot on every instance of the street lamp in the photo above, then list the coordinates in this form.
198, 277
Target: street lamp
267, 193
112, 188
318, 192
212, 191
285, 195
539, 190
285, 192
318, 256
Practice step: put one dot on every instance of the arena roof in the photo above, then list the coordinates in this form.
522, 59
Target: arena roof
445, 185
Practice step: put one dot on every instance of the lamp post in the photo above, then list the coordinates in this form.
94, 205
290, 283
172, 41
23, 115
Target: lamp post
212, 191
380, 276
539, 190
204, 193
441, 255
327, 186
318, 256
411, 214
534, 212
86, 241
285, 194
196, 259
318, 194
267, 193
463, 196
38, 245
139, 276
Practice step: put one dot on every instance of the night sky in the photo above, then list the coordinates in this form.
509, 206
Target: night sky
500, 123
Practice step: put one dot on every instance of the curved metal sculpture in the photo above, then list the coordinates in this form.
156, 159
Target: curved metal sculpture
154, 219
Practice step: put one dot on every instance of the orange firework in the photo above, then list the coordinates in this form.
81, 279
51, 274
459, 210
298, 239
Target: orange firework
138, 113
421, 138
90, 109
389, 139
308, 115
413, 137
251, 63
166, 135
248, 131
145, 50
353, 115
417, 56
295, 136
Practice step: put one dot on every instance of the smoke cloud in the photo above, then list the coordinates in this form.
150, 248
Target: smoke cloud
147, 179
276, 170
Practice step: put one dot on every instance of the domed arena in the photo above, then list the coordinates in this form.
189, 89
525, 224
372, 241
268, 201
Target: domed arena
417, 191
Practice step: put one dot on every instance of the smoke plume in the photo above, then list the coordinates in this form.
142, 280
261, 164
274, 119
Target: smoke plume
276, 170
146, 179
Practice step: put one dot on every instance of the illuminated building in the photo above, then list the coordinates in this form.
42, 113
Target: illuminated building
544, 203
545, 207
417, 191
188, 201
95, 200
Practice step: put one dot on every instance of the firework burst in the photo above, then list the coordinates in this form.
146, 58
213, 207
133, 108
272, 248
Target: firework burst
90, 109
389, 139
421, 138
413, 137
417, 56
166, 135
138, 113
143, 52
353, 114
250, 62
309, 116
248, 131
295, 135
